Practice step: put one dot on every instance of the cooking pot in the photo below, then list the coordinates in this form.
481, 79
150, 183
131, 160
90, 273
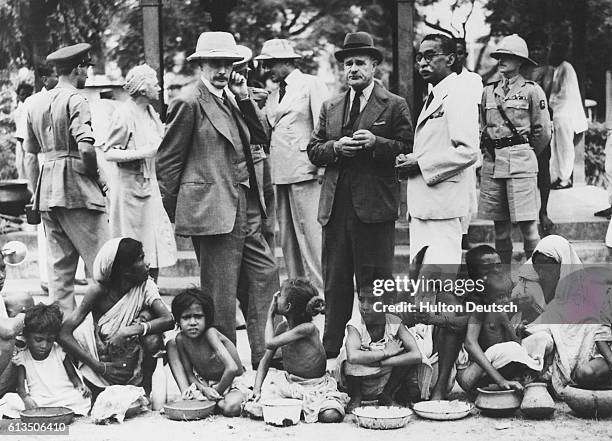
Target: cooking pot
14, 195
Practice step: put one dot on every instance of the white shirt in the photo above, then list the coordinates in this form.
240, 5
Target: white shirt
212, 89
365, 96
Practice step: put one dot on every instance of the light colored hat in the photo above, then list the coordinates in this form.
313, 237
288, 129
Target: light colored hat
246, 53
216, 45
137, 77
277, 49
101, 80
513, 45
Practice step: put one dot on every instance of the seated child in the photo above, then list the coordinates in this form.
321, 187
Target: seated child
303, 356
45, 375
209, 359
494, 353
377, 348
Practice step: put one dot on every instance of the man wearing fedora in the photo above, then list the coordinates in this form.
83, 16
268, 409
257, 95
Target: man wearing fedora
69, 189
205, 171
293, 111
517, 127
359, 134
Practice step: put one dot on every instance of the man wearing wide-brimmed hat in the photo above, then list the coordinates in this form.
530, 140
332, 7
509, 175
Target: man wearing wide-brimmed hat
293, 112
69, 189
359, 134
516, 128
205, 169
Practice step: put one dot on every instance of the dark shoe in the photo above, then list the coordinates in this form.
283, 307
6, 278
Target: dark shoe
558, 185
81, 282
44, 286
604, 213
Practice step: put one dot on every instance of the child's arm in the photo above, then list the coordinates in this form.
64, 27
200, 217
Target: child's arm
202, 386
75, 379
476, 354
262, 371
230, 370
356, 355
604, 349
288, 336
22, 389
410, 355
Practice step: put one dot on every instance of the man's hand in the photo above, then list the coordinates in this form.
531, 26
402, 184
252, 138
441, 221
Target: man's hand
102, 185
367, 138
29, 403
507, 385
209, 392
348, 147
408, 163
84, 390
238, 86
273, 304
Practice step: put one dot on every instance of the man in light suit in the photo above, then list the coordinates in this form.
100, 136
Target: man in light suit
205, 171
360, 132
293, 111
445, 144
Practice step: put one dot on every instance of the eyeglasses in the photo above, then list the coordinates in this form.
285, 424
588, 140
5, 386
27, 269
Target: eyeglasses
428, 56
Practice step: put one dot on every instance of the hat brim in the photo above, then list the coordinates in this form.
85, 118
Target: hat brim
208, 55
284, 57
247, 55
372, 51
498, 53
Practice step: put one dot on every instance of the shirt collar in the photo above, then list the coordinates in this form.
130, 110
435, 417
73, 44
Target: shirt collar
294, 76
512, 81
212, 89
445, 85
366, 92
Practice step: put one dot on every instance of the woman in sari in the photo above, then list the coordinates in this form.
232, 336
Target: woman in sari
107, 334
573, 329
136, 208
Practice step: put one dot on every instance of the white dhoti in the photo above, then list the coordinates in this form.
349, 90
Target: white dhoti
562, 146
443, 239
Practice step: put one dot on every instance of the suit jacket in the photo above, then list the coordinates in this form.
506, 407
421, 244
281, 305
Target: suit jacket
196, 163
446, 142
292, 121
373, 181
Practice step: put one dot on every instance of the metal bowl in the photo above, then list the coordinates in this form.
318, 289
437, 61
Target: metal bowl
495, 402
14, 195
442, 410
382, 417
47, 415
189, 410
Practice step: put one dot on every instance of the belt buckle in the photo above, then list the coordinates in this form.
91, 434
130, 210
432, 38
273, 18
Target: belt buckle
497, 143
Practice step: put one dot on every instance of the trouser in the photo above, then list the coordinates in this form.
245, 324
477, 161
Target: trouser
42, 257
562, 149
473, 202
350, 248
608, 166
300, 233
268, 225
258, 280
71, 232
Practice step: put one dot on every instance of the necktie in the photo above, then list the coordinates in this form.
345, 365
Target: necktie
506, 86
282, 89
429, 100
355, 109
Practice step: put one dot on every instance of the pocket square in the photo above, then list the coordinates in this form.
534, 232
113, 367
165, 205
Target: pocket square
379, 123
437, 114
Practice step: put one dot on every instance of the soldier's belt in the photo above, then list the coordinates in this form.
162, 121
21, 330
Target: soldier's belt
501, 143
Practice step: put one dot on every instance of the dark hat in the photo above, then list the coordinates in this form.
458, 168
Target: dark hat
358, 43
71, 55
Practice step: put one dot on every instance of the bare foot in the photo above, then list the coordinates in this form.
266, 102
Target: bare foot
546, 224
353, 404
437, 395
386, 400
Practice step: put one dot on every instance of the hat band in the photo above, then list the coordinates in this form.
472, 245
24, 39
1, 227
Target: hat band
357, 46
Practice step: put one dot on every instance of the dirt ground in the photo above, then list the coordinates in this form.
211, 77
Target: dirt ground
153, 426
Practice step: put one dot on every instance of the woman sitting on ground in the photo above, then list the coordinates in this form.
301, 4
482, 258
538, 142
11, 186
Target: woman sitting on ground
107, 333
573, 330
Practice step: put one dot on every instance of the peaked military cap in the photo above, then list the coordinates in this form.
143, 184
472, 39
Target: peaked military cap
71, 55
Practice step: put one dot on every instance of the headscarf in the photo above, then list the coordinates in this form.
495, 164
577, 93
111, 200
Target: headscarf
137, 77
103, 264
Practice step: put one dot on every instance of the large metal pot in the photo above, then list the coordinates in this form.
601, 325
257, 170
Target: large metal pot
14, 195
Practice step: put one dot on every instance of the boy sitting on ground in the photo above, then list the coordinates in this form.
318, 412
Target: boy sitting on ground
376, 353
210, 360
494, 353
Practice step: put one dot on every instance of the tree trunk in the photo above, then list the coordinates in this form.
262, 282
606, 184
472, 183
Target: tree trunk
579, 33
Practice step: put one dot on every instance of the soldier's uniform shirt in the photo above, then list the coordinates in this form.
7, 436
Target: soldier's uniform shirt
509, 183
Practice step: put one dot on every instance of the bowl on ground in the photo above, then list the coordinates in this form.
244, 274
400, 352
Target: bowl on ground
189, 410
47, 415
282, 411
588, 403
442, 410
382, 417
495, 402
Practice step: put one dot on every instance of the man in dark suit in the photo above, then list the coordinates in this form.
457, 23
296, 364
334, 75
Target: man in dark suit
360, 132
205, 172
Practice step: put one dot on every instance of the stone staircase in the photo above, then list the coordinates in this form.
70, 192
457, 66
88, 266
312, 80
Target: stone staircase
571, 210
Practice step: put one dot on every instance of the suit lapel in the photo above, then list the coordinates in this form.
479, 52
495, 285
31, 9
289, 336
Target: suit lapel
336, 114
373, 108
216, 115
433, 106
243, 129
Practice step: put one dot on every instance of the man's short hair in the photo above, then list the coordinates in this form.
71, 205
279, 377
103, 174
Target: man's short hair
447, 44
45, 70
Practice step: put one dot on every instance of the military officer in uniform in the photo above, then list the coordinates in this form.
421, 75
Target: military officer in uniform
516, 128
69, 191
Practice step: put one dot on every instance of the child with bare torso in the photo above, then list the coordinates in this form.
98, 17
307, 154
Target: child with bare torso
303, 354
209, 359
